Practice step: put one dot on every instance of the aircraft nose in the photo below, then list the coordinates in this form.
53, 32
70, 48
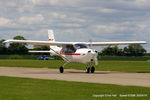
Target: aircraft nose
93, 52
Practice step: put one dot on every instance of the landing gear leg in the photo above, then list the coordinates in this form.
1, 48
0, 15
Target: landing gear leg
61, 68
88, 68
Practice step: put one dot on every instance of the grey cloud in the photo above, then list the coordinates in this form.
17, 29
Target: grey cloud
76, 20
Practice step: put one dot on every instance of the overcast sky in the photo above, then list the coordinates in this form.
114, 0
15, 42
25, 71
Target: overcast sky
76, 20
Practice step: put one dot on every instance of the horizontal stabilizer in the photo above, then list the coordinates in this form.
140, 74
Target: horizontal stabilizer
39, 51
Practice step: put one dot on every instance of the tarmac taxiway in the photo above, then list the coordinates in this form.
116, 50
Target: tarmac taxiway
119, 78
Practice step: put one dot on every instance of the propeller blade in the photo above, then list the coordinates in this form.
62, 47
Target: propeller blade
96, 61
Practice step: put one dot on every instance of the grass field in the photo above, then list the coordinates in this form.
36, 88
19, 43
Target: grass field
103, 58
124, 58
12, 88
123, 66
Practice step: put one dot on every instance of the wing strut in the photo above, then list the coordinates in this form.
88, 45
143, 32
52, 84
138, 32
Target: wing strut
67, 60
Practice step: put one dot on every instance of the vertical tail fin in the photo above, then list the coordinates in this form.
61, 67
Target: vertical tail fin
51, 35
52, 39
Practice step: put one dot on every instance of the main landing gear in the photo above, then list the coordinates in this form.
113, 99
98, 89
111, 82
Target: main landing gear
61, 68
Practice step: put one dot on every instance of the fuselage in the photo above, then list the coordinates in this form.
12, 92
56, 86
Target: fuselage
77, 53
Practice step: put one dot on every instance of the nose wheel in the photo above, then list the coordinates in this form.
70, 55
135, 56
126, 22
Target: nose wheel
90, 69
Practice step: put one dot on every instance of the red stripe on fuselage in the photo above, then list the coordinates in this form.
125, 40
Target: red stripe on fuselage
70, 53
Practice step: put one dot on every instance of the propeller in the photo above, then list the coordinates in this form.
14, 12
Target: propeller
96, 60
95, 57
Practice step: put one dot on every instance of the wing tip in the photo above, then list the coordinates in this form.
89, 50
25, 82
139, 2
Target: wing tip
7, 41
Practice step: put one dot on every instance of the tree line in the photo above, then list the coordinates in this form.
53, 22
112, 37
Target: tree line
18, 48
130, 50
21, 48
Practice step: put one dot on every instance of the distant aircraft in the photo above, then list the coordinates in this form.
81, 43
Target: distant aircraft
73, 51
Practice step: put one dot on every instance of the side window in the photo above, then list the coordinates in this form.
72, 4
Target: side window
68, 49
80, 46
63, 49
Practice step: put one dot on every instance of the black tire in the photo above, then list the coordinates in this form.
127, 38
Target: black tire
61, 69
92, 69
88, 70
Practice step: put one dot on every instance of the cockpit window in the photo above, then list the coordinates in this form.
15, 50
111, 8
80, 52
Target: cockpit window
68, 49
80, 46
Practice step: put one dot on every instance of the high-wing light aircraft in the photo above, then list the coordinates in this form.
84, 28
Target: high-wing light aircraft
73, 51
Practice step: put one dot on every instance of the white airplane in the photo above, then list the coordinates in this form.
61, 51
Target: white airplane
73, 51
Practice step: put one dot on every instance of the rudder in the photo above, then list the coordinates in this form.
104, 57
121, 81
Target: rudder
52, 39
51, 35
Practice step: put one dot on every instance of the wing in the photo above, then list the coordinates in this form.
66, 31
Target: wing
116, 43
31, 42
70, 43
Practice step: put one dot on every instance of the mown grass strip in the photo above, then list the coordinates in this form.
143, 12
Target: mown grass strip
12, 88
123, 66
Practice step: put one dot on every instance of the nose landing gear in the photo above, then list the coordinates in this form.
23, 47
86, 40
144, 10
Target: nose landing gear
90, 68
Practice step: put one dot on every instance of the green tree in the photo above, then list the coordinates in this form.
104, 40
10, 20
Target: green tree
134, 50
3, 48
18, 37
112, 51
18, 48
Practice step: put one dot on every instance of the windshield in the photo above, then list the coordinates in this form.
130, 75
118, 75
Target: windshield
79, 46
68, 49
